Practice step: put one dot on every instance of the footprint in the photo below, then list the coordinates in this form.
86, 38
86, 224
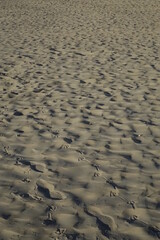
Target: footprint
27, 180
48, 190
64, 146
96, 174
105, 223
81, 159
36, 167
96, 166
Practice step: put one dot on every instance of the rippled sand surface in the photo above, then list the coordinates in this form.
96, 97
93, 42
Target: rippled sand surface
79, 119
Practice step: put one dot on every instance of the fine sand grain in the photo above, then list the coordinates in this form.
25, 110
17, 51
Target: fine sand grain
79, 119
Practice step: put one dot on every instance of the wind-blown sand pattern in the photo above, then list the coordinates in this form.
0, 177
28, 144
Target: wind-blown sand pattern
79, 119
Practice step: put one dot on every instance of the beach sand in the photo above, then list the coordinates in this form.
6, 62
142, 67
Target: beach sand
79, 119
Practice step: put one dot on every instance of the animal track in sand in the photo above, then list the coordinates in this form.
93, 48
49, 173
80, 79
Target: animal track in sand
96, 174
81, 159
65, 146
26, 180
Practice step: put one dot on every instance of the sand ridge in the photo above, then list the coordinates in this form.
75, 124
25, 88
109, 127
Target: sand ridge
79, 119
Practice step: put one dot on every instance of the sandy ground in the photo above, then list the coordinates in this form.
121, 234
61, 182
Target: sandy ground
79, 119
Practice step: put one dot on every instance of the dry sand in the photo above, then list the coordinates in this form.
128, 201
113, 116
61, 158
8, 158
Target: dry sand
79, 119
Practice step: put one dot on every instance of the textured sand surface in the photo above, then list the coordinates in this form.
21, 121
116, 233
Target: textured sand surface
79, 119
